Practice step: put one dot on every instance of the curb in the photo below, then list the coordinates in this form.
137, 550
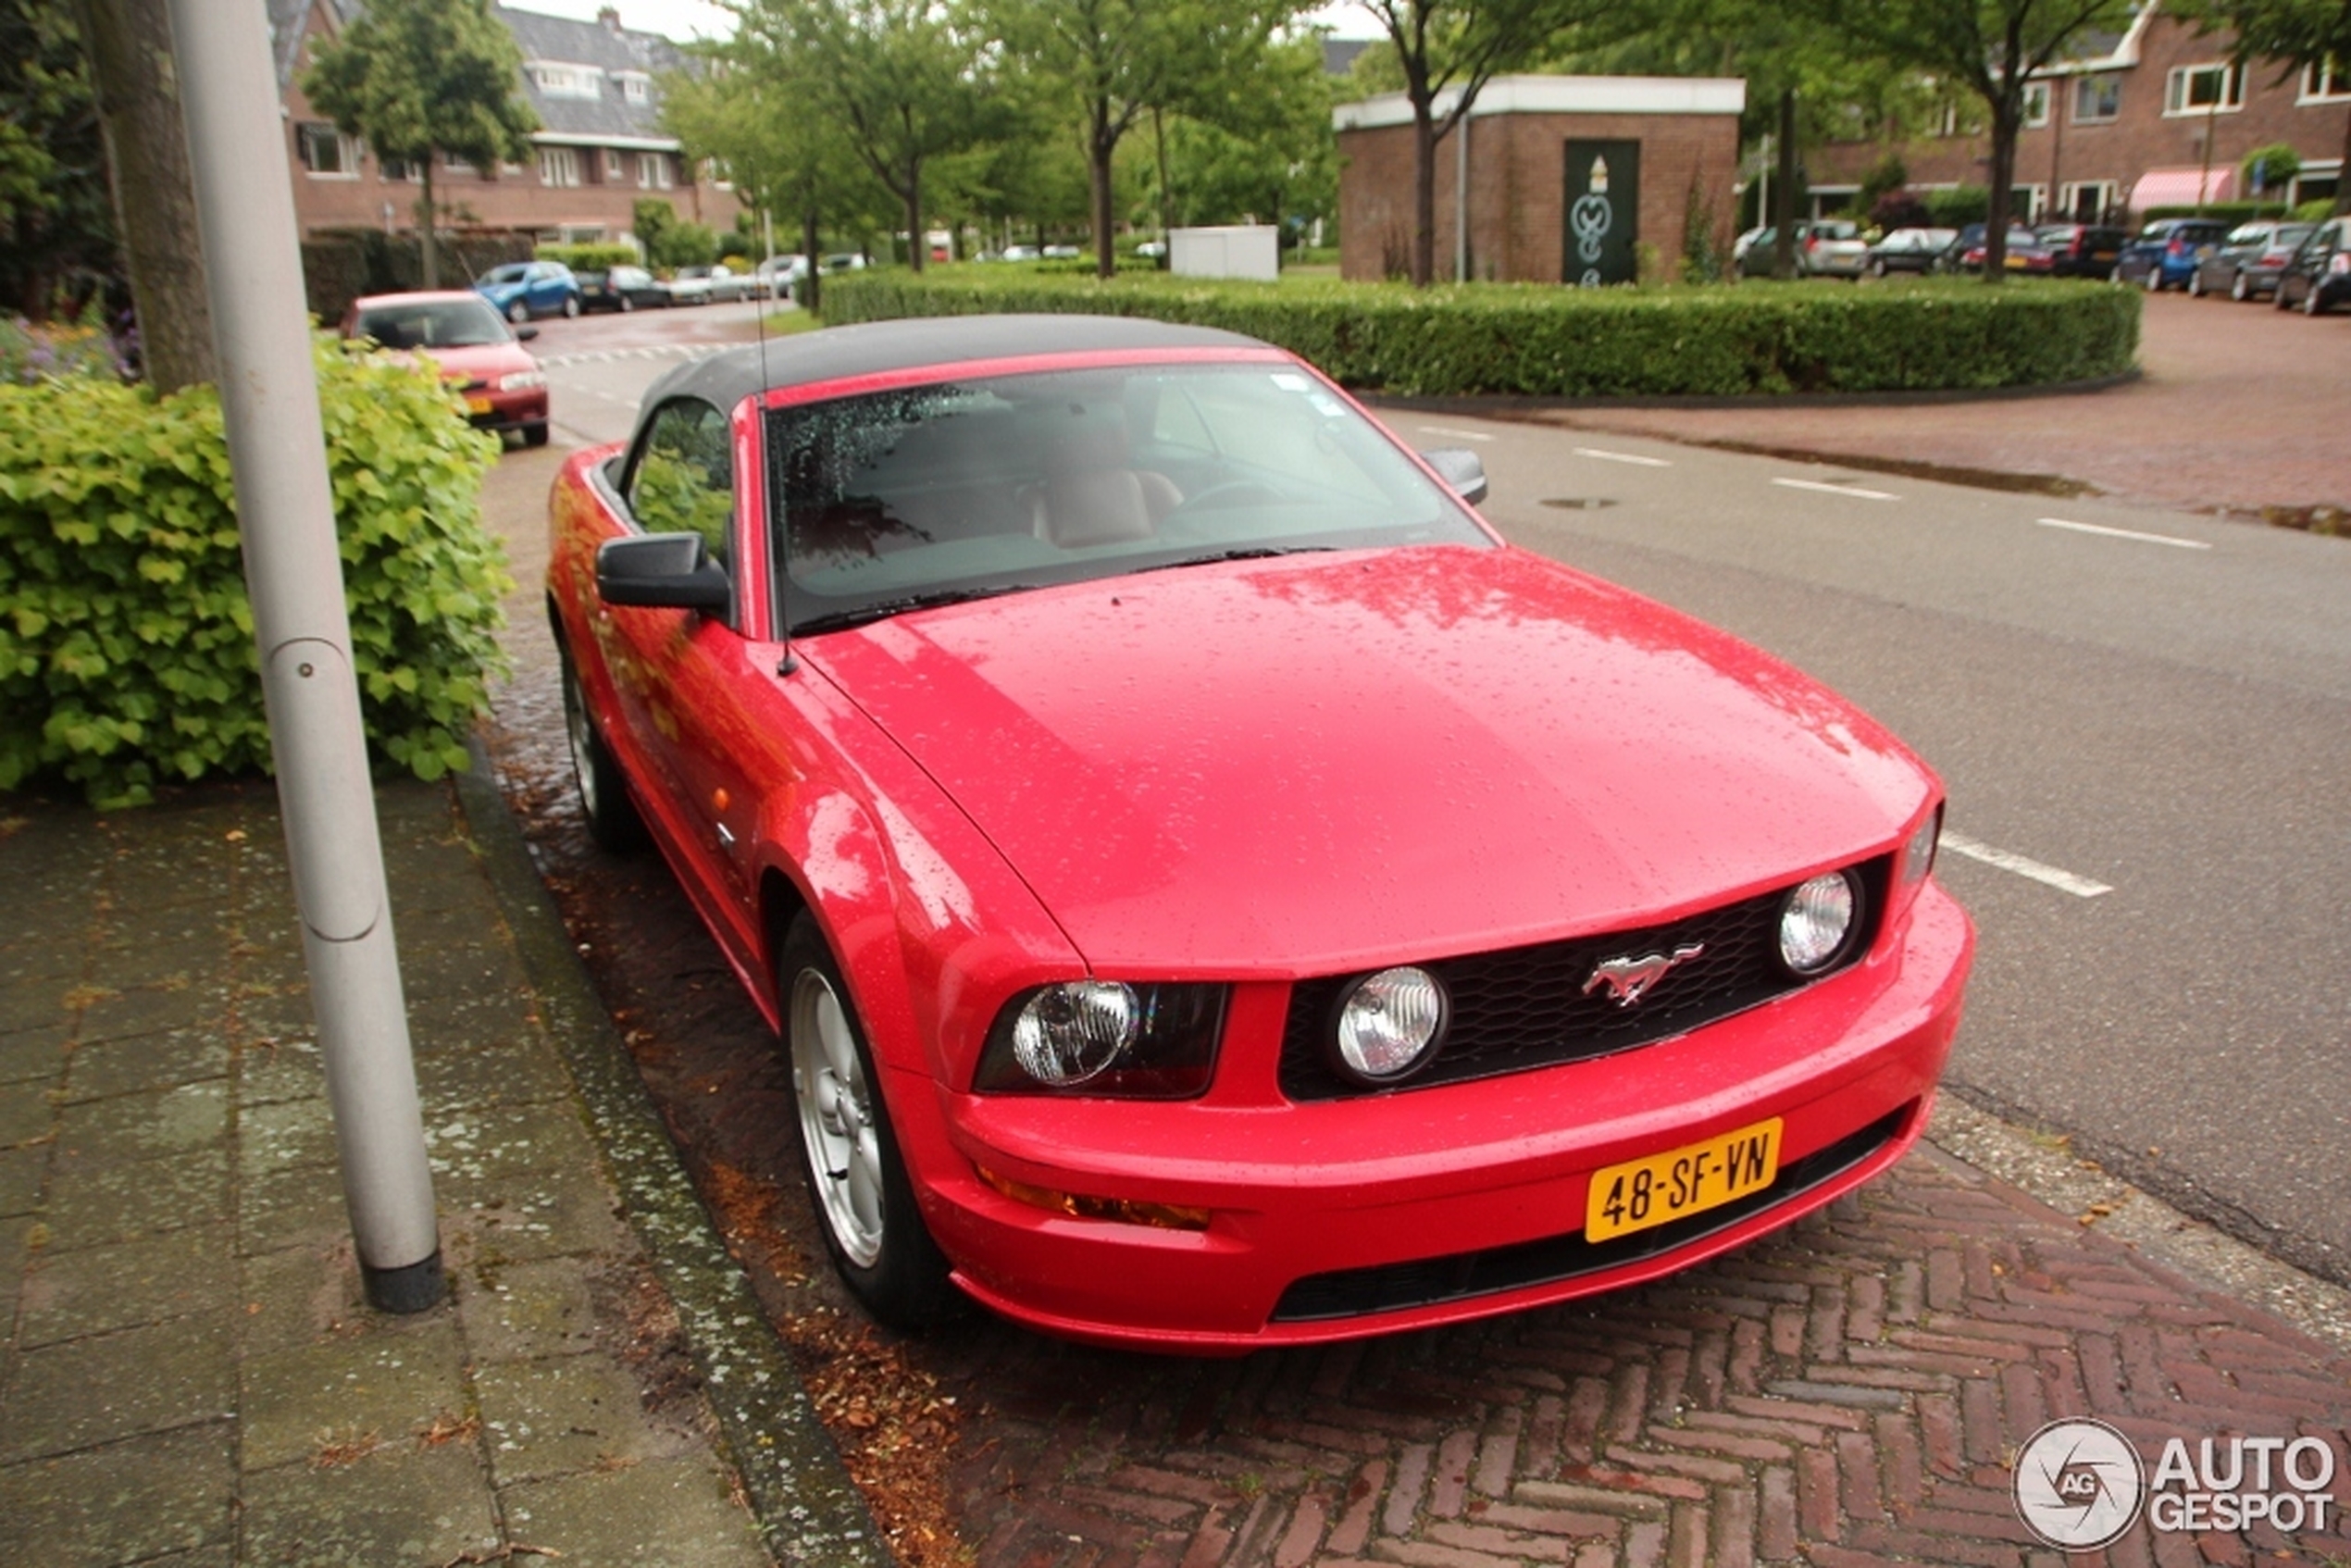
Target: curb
808, 1510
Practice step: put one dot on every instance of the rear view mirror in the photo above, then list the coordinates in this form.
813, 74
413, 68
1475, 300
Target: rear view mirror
1461, 470
663, 570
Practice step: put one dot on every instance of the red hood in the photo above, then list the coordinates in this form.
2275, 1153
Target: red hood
1319, 762
479, 362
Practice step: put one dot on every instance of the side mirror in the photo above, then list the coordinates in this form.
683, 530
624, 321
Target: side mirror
671, 571
1461, 470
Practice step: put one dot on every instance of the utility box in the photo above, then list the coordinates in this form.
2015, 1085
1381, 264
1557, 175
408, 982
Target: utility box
1237, 251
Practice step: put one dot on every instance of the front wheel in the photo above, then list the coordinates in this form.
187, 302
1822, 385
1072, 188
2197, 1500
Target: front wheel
613, 821
2311, 305
571, 306
535, 435
865, 1201
627, 304
517, 313
1877, 267
2196, 284
2239, 290
2155, 279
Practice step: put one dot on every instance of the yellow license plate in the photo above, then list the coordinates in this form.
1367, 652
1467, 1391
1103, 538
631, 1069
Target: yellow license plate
477, 405
1688, 1180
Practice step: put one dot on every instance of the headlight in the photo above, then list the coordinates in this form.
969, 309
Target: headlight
1387, 1025
521, 381
1104, 1038
1817, 922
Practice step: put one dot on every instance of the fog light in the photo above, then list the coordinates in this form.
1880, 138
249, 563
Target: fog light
1068, 1033
1816, 922
1126, 1211
1389, 1024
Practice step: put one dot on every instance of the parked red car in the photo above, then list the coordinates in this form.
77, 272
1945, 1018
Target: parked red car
478, 353
1213, 892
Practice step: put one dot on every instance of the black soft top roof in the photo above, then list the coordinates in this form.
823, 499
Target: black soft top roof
727, 378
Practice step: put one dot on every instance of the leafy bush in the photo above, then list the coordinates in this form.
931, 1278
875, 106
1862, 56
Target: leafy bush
1540, 341
1959, 207
591, 257
683, 244
2271, 168
32, 353
126, 654
2318, 209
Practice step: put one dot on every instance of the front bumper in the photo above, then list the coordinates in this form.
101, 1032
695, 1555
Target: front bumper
504, 411
1344, 1218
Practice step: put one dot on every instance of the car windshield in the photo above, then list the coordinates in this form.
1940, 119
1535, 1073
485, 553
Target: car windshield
465, 323
929, 494
513, 273
1836, 231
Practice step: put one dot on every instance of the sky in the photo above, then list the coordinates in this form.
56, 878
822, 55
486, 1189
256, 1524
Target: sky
688, 19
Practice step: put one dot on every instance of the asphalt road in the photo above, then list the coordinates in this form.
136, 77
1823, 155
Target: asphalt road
2144, 719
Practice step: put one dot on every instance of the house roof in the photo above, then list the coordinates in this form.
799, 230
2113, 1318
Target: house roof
610, 48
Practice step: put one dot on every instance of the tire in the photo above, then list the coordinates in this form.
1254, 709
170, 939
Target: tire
613, 821
519, 312
535, 435
627, 304
571, 306
2277, 296
2311, 305
2196, 284
857, 1180
1877, 266
2239, 290
2155, 279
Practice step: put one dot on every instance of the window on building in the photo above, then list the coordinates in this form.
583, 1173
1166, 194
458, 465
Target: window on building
558, 166
568, 82
2036, 105
2097, 99
2328, 81
399, 172
326, 151
2209, 89
614, 169
456, 165
2088, 201
663, 174
636, 89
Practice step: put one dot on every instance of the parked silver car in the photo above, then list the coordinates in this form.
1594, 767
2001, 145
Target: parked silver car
2247, 264
1909, 249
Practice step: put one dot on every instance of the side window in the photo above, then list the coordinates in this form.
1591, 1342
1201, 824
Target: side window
684, 480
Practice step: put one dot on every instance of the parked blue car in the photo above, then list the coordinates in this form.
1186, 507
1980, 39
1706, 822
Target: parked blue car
521, 290
2166, 252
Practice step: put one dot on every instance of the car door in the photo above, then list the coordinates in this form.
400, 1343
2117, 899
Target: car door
680, 673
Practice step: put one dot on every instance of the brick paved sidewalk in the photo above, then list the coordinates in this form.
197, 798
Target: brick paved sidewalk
188, 1376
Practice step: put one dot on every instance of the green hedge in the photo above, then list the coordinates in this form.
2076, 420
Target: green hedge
597, 256
126, 642
1545, 342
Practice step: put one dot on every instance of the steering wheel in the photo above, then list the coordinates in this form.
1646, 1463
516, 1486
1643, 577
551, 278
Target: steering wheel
1230, 493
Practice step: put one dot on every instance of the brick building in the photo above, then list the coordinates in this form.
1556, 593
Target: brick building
2124, 126
1551, 178
599, 150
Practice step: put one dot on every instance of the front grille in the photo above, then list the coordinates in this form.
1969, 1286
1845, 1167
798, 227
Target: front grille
1526, 1007
1423, 1282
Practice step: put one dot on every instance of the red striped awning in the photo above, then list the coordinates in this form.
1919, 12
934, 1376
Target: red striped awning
2181, 187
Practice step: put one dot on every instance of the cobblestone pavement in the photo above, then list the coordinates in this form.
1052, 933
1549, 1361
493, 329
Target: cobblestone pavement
187, 1374
2240, 406
1846, 1393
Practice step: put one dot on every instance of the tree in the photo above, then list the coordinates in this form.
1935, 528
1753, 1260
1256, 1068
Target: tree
418, 79
907, 79
1119, 60
798, 168
1273, 158
1456, 45
2297, 35
134, 83
56, 233
1991, 47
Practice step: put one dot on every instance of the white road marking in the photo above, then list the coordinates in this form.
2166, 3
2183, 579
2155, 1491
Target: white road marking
2125, 533
2048, 875
1853, 491
1457, 435
1622, 458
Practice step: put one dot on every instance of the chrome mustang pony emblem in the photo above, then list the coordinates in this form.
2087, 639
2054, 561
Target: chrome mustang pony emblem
1629, 979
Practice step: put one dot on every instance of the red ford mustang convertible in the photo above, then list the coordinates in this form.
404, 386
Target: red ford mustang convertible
1212, 891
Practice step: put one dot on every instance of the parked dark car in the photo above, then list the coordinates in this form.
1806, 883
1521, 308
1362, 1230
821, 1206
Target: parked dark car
2249, 261
2083, 250
2165, 253
1909, 249
2024, 252
621, 288
2318, 278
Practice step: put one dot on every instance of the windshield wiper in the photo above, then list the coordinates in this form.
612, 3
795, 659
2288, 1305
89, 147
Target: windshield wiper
882, 609
1251, 552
